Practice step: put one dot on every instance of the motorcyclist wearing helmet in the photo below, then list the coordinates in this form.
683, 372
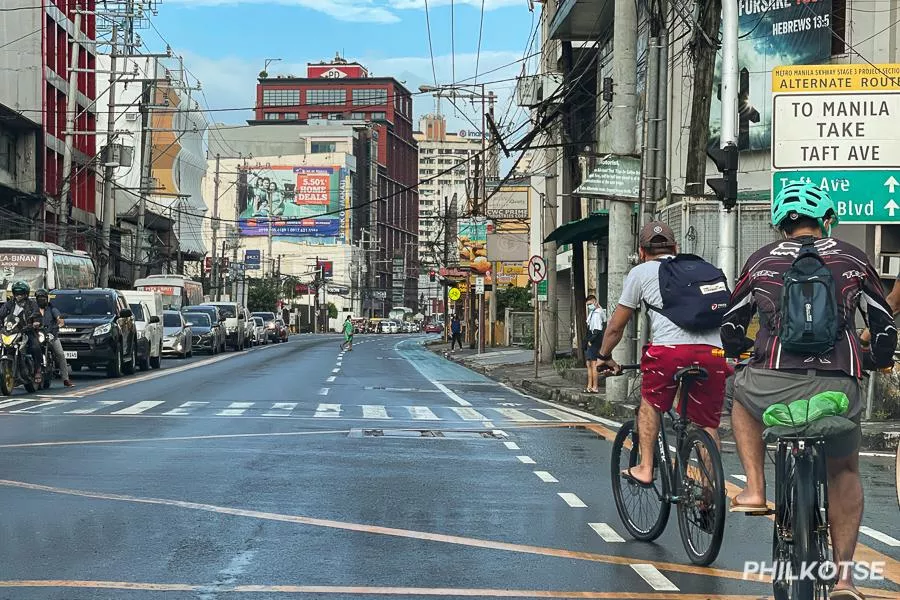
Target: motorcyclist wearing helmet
51, 321
804, 213
21, 305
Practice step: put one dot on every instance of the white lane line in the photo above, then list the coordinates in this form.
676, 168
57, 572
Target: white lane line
7, 403
657, 580
331, 379
572, 500
338, 364
136, 409
235, 409
487, 425
607, 533
328, 410
740, 478
567, 409
335, 370
43, 407
451, 394
511, 445
526, 460
281, 409
422, 413
546, 477
372, 411
185, 409
881, 537
468, 414
560, 415
323, 392
92, 409
512, 414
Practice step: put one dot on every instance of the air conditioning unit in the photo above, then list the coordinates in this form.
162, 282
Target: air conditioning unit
132, 116
531, 90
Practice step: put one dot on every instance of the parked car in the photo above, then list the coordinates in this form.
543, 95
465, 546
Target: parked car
178, 339
260, 335
148, 329
149, 336
249, 329
218, 323
235, 328
99, 330
269, 321
434, 328
282, 330
203, 336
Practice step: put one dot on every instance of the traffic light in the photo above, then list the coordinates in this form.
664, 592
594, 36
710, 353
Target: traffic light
725, 187
431, 275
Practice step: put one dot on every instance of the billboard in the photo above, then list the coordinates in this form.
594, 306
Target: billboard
771, 33
307, 203
508, 203
472, 243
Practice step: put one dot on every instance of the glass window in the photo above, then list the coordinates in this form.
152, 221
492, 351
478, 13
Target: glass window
322, 147
316, 115
370, 97
171, 320
379, 116
361, 116
198, 319
329, 96
271, 116
290, 116
88, 304
335, 116
281, 97
137, 311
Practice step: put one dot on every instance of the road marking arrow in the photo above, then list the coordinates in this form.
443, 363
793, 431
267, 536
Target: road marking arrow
891, 207
891, 183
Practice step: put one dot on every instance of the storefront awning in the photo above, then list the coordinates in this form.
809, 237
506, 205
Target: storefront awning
589, 229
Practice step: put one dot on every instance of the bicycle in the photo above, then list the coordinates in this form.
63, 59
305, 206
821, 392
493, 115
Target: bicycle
693, 480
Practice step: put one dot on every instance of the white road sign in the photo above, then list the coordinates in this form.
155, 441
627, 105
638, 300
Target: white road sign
836, 131
537, 269
479, 286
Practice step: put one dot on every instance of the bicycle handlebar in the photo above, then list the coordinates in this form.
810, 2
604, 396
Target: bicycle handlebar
867, 363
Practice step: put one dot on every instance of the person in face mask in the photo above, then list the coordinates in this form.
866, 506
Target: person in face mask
596, 322
22, 306
51, 321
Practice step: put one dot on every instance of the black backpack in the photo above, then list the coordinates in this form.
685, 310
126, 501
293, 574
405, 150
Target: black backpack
695, 293
810, 321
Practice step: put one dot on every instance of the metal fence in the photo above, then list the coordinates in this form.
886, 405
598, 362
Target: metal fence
696, 227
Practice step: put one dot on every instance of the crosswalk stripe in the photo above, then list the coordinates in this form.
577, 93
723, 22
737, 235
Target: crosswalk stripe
572, 500
468, 414
140, 407
561, 415
43, 406
235, 409
606, 533
281, 409
92, 409
514, 415
374, 412
328, 410
422, 413
881, 537
185, 408
657, 580
7, 403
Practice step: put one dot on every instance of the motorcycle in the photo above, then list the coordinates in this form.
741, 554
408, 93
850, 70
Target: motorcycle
48, 362
16, 365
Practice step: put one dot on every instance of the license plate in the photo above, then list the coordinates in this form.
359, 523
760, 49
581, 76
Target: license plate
71, 354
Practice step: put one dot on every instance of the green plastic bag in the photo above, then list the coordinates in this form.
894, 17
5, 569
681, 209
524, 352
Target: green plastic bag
801, 412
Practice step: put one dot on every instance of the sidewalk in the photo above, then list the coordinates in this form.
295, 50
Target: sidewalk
515, 367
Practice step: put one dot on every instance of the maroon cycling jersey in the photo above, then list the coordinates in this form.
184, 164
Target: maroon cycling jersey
759, 289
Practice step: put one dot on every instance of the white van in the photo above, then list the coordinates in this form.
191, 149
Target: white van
149, 327
235, 325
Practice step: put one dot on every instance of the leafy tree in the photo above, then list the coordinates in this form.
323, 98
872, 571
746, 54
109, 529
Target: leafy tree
262, 296
514, 298
332, 311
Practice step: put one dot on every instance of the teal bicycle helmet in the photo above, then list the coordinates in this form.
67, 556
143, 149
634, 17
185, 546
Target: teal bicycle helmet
798, 199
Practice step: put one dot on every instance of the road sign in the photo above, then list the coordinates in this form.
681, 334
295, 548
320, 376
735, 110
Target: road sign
537, 269
207, 264
479, 285
454, 294
860, 196
542, 291
253, 259
618, 176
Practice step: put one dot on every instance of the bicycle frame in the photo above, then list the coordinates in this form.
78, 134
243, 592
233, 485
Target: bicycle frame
670, 485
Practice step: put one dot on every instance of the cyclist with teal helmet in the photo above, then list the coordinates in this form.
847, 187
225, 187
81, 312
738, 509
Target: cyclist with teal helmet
805, 215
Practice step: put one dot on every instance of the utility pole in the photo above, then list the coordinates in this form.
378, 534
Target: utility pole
146, 169
71, 110
109, 203
624, 114
444, 282
214, 225
728, 140
549, 320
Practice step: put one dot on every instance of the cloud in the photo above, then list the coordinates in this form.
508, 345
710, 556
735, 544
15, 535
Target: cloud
420, 4
364, 11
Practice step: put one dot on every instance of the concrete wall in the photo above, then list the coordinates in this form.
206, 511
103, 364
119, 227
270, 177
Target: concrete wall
20, 62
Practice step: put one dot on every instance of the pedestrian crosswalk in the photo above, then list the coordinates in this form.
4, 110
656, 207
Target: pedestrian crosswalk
363, 412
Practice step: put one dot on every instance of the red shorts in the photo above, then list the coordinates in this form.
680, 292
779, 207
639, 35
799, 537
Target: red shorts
658, 386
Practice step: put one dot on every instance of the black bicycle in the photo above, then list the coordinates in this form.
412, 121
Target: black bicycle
693, 479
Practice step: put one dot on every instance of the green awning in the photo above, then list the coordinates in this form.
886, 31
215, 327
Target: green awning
589, 229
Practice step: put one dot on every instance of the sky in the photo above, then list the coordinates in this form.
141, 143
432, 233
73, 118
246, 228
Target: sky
225, 44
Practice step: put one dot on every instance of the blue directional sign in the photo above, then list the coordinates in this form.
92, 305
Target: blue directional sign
252, 260
869, 196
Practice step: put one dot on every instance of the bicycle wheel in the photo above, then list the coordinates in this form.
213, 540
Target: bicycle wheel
804, 524
644, 511
782, 549
701, 494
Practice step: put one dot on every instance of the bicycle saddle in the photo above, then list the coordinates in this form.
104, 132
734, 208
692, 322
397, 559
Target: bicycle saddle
692, 373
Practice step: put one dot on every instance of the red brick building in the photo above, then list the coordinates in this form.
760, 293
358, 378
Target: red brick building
339, 91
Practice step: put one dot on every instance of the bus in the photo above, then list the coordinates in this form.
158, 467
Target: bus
176, 290
45, 265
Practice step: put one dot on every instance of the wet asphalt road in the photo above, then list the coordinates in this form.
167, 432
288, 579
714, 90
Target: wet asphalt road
290, 471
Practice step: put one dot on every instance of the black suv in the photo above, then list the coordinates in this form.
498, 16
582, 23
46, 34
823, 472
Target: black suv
99, 330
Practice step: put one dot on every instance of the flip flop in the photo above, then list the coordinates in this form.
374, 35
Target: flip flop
627, 476
749, 509
846, 595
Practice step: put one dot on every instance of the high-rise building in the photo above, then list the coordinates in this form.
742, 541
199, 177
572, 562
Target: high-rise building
341, 91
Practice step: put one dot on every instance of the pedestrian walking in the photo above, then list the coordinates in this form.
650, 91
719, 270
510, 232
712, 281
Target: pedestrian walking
348, 335
456, 333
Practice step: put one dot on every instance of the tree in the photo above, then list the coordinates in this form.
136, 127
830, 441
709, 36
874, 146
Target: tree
262, 296
332, 311
514, 298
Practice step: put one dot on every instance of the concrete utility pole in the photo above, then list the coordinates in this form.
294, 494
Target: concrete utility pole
146, 171
704, 68
214, 226
549, 320
624, 114
109, 202
729, 136
65, 204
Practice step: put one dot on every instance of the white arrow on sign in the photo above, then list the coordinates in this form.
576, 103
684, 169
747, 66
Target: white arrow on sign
891, 183
891, 207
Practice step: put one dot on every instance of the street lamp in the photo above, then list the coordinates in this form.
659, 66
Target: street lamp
265, 71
